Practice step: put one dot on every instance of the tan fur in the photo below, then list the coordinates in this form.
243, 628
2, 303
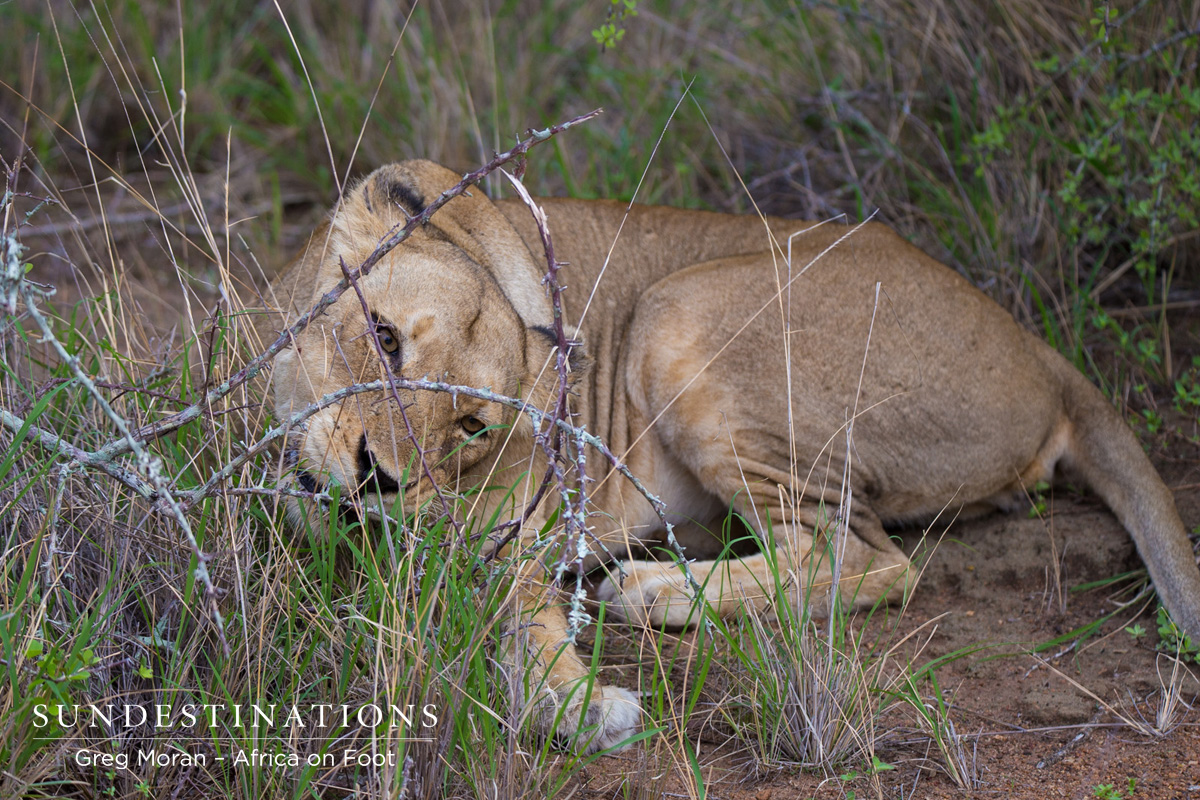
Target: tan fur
888, 404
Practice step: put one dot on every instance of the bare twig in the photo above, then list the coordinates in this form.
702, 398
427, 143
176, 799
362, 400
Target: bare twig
148, 479
148, 464
284, 340
575, 500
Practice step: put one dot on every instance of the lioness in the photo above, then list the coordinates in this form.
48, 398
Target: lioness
723, 373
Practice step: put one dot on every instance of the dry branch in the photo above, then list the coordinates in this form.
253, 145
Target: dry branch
564, 443
259, 362
148, 479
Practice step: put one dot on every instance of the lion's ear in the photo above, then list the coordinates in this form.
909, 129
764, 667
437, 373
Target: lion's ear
391, 191
540, 345
470, 221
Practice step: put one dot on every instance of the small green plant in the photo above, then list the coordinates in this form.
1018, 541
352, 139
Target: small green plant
1151, 420
1173, 640
1040, 503
878, 765
1187, 389
1137, 631
1108, 791
1140, 344
611, 31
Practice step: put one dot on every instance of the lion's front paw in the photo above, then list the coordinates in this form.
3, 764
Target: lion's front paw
611, 716
653, 594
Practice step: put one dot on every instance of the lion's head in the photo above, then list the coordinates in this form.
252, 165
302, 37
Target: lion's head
460, 301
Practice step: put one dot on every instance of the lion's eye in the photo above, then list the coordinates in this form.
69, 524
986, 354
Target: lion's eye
387, 340
472, 425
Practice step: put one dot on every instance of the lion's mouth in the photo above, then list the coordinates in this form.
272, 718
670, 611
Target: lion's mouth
372, 479
371, 474
309, 483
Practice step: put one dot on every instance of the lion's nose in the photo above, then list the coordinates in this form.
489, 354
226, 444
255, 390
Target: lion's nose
369, 471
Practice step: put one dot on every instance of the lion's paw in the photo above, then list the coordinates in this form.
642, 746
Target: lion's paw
651, 594
611, 717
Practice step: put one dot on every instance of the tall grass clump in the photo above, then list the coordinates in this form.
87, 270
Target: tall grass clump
823, 688
803, 690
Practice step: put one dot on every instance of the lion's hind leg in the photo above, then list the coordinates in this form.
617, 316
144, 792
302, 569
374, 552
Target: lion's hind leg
794, 567
707, 386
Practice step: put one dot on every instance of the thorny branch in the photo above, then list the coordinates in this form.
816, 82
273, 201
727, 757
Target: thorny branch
563, 441
564, 444
574, 498
551, 440
256, 364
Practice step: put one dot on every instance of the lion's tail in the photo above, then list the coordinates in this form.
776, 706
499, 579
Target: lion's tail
1106, 453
